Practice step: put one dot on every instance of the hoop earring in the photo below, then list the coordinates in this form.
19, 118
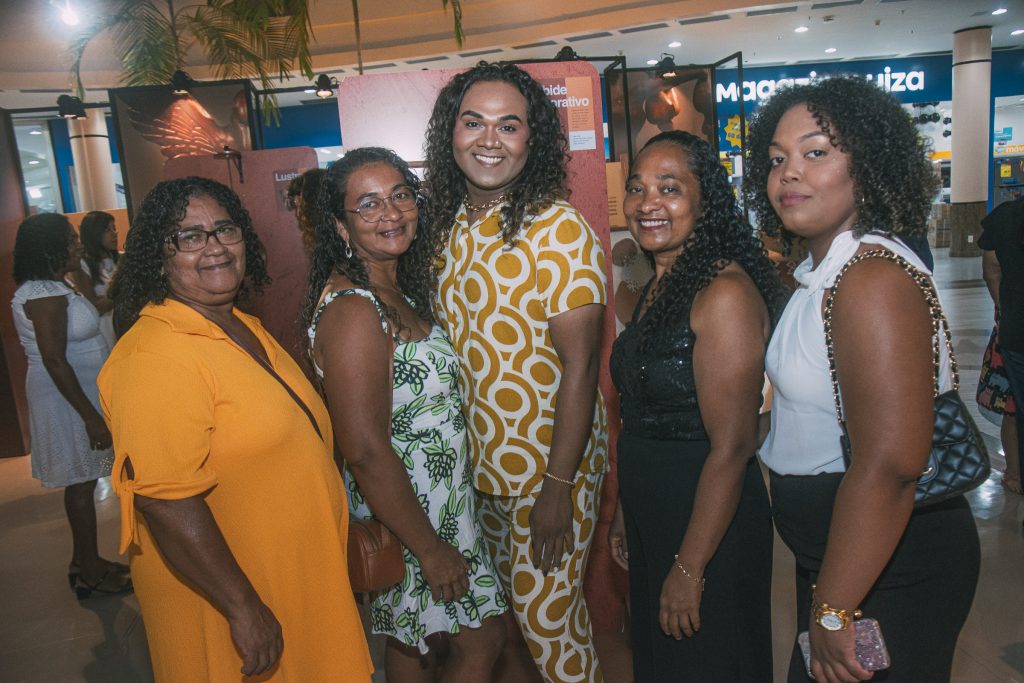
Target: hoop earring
348, 250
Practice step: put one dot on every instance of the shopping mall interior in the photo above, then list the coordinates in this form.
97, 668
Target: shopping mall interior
957, 66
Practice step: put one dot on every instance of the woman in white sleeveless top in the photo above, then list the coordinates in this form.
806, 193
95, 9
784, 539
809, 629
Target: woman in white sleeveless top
838, 164
98, 234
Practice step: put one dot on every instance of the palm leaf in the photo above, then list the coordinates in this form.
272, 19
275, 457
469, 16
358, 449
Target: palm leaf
150, 46
241, 39
457, 19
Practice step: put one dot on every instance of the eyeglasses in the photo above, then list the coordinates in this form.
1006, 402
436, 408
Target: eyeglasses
195, 239
372, 209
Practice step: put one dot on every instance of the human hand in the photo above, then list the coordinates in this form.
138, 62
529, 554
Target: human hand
257, 635
99, 435
445, 571
551, 526
617, 538
833, 656
680, 604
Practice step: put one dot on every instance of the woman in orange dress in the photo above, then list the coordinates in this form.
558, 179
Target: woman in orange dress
231, 504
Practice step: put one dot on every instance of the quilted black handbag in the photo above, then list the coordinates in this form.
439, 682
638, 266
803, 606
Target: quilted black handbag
958, 461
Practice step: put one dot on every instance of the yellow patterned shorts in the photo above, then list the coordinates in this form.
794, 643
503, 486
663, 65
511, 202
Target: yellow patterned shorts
550, 610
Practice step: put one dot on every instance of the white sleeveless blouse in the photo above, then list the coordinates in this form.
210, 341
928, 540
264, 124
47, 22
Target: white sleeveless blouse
804, 436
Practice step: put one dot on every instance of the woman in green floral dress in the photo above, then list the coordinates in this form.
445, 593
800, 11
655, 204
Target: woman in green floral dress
390, 377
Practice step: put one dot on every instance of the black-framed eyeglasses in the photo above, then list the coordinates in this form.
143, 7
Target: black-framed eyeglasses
372, 209
194, 239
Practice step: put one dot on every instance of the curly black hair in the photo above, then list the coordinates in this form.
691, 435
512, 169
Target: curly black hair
542, 180
140, 278
415, 266
42, 247
91, 230
721, 235
303, 196
893, 179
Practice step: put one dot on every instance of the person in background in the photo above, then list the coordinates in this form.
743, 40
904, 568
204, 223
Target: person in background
1002, 244
60, 332
303, 199
839, 164
98, 234
521, 293
694, 527
390, 376
231, 504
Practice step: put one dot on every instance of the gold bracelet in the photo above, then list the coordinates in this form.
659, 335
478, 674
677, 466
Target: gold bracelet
699, 581
552, 477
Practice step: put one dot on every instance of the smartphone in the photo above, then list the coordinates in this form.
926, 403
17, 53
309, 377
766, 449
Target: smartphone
869, 646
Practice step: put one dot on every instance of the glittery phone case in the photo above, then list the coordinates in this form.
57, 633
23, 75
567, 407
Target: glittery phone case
868, 644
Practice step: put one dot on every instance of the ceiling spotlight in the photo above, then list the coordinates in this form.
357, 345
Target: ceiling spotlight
325, 86
666, 66
35, 131
566, 54
652, 62
801, 29
70, 107
830, 50
34, 162
181, 83
997, 12
675, 43
68, 15
1017, 32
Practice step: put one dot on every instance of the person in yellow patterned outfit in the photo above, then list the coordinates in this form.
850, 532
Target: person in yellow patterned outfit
521, 293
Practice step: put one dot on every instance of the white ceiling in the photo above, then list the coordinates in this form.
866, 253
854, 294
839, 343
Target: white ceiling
416, 34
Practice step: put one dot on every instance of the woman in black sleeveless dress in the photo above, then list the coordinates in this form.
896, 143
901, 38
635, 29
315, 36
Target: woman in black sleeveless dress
693, 525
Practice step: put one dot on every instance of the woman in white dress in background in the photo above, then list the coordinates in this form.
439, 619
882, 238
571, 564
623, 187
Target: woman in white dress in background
71, 445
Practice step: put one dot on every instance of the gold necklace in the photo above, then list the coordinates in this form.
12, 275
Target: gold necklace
477, 208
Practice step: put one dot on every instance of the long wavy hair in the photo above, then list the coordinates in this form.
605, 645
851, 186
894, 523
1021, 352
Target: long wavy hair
892, 176
303, 196
42, 247
415, 278
721, 234
140, 278
542, 180
92, 230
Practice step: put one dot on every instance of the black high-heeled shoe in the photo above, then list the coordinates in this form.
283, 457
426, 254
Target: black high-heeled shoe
74, 571
84, 590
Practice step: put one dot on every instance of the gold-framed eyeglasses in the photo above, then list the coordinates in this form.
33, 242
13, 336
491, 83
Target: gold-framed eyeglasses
195, 239
372, 209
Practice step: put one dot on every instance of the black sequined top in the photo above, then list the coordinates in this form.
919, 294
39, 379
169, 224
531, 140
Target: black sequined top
656, 385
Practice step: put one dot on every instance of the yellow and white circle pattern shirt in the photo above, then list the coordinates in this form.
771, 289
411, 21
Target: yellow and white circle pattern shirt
495, 303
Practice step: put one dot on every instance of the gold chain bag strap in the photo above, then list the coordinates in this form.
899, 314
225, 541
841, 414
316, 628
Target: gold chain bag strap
958, 461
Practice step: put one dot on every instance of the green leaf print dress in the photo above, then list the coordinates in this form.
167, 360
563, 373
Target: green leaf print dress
428, 434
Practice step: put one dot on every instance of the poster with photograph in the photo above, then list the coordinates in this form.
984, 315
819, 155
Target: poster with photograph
657, 104
154, 125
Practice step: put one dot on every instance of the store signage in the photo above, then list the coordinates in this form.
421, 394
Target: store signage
888, 79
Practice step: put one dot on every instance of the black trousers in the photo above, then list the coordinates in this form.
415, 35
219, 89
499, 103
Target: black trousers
923, 595
657, 485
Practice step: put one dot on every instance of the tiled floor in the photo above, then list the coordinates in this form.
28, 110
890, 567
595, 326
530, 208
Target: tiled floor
47, 636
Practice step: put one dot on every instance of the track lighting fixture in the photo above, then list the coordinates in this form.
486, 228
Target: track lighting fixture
325, 86
566, 54
70, 107
181, 83
666, 67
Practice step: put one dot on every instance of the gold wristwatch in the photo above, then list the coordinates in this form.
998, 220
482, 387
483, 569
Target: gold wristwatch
830, 618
